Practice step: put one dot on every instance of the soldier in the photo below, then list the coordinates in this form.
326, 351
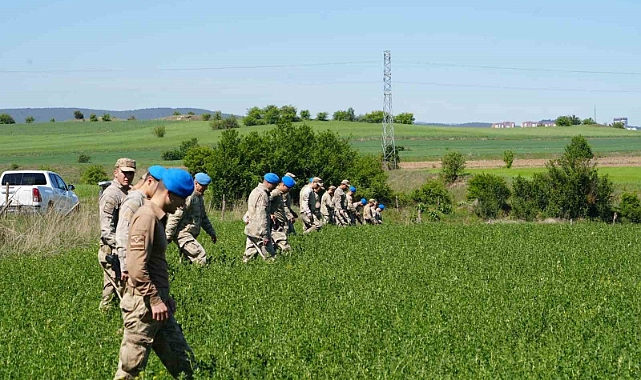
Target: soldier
368, 216
278, 213
359, 211
308, 205
317, 206
144, 189
351, 205
109, 206
258, 228
327, 207
340, 204
378, 219
287, 203
147, 308
184, 225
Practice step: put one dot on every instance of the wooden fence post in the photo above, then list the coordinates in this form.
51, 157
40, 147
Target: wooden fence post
222, 211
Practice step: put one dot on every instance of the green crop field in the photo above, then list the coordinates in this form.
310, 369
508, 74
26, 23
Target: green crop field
398, 302
60, 144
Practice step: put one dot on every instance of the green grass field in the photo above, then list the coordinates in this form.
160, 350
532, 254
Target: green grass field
396, 302
60, 143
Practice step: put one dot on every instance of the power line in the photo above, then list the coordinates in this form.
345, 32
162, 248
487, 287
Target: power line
464, 66
214, 68
499, 87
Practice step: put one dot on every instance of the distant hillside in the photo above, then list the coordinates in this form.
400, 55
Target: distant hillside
465, 125
61, 114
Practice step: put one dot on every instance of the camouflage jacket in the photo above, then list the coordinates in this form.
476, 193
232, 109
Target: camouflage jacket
340, 199
327, 207
259, 225
184, 225
277, 208
130, 205
109, 207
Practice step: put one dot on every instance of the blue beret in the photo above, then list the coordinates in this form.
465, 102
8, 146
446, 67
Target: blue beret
202, 179
289, 181
363, 201
381, 206
311, 180
352, 189
272, 178
156, 171
178, 181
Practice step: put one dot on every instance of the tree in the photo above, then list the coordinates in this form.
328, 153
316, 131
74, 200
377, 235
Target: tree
404, 118
272, 114
305, 115
563, 121
588, 121
508, 158
52, 120
190, 113
288, 113
452, 166
218, 115
176, 113
93, 117
254, 117
106, 117
374, 117
131, 118
351, 115
6, 119
205, 116
228, 123
618, 125
321, 116
490, 193
78, 115
29, 119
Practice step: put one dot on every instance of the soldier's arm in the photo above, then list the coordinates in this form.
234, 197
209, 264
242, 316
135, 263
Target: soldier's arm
173, 220
122, 235
107, 214
337, 202
304, 203
207, 226
262, 205
141, 233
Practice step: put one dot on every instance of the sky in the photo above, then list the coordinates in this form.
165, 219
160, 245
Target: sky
452, 61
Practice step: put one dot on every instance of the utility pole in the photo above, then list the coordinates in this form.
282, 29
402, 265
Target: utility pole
389, 146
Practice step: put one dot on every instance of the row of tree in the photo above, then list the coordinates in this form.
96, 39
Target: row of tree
570, 120
272, 114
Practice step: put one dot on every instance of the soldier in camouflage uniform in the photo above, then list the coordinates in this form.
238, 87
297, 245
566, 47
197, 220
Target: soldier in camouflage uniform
258, 221
376, 213
327, 206
147, 306
135, 198
368, 216
340, 204
351, 205
109, 206
184, 225
308, 206
279, 215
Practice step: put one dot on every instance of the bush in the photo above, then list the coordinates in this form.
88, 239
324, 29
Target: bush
93, 174
93, 117
176, 113
452, 166
78, 115
159, 131
490, 193
29, 119
84, 158
131, 118
171, 155
229, 123
529, 197
321, 116
618, 125
106, 117
179, 154
404, 118
630, 208
6, 119
191, 113
52, 120
305, 115
434, 195
508, 158
13, 166
205, 116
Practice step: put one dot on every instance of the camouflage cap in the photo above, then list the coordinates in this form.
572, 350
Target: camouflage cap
332, 187
288, 174
126, 164
345, 182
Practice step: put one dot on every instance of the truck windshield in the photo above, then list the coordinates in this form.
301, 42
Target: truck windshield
24, 179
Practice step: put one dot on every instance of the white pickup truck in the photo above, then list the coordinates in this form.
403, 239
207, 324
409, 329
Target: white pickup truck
35, 191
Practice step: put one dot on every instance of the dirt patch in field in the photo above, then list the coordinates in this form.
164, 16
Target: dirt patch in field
525, 163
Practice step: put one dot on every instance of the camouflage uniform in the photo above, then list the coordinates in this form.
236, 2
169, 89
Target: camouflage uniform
291, 215
376, 214
184, 225
340, 207
368, 218
351, 209
307, 207
132, 202
258, 228
148, 285
280, 222
327, 208
109, 205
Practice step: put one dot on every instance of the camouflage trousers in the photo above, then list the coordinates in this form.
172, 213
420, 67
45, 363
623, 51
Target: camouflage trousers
279, 237
328, 218
194, 251
142, 334
108, 279
341, 218
310, 223
255, 246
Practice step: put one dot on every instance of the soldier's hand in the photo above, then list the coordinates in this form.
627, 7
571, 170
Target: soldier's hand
171, 304
124, 276
265, 241
159, 312
214, 239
